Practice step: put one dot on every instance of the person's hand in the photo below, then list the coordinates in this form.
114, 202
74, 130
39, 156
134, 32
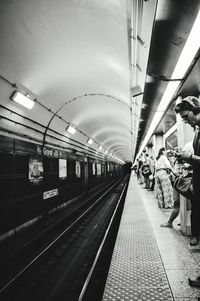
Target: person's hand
185, 156
173, 172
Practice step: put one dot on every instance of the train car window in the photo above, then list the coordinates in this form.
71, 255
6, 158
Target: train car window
62, 169
21, 187
6, 144
93, 169
6, 188
55, 167
25, 147
78, 169
111, 167
47, 165
98, 169
70, 168
21, 164
6, 163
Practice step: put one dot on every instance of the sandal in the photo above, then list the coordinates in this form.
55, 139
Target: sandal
167, 225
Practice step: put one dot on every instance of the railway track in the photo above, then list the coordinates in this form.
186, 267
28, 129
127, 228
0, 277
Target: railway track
63, 268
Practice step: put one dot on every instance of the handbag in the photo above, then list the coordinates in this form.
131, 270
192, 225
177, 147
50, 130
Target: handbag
151, 177
146, 171
184, 186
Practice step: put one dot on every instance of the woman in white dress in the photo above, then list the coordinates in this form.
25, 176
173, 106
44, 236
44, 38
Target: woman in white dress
164, 186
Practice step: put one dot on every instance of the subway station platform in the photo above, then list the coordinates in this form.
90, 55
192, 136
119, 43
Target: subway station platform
150, 262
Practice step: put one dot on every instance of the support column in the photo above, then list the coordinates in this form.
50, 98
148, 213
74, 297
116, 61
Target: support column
158, 142
149, 149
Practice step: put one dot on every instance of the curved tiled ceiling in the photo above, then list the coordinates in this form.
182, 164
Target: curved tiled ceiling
89, 62
75, 58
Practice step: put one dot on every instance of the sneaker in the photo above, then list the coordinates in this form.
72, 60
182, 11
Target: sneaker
194, 281
166, 225
194, 240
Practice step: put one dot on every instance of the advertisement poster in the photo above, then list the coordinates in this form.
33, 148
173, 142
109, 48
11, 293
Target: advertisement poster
62, 168
98, 169
93, 169
35, 170
78, 169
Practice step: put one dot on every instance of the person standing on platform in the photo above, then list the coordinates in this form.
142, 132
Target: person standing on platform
175, 211
146, 171
194, 217
164, 187
181, 170
189, 110
152, 175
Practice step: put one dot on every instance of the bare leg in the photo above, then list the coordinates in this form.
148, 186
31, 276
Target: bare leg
173, 215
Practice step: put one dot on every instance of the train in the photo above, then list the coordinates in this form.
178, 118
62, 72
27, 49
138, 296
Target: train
36, 181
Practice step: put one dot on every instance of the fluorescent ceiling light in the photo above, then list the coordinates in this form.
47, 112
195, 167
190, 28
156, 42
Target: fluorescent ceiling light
90, 141
71, 129
187, 55
23, 99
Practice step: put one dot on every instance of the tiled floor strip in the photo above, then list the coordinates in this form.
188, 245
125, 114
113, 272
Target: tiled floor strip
136, 272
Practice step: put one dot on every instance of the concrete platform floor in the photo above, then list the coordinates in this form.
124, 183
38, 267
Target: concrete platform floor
177, 259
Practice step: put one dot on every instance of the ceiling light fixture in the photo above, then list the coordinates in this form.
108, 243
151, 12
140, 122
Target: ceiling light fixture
23, 99
71, 129
188, 53
90, 141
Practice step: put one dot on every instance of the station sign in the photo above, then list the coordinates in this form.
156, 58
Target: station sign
50, 194
50, 152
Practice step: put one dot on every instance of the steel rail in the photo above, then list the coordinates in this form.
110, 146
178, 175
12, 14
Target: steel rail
84, 288
6, 286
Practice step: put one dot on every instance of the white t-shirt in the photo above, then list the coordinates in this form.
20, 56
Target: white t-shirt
188, 148
163, 162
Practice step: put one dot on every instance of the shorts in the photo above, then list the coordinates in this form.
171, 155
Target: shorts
176, 198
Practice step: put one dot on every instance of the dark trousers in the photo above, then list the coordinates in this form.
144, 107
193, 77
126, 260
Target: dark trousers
153, 183
195, 217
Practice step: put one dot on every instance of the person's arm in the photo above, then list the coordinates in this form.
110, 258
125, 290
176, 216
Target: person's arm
194, 159
190, 158
167, 163
168, 166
